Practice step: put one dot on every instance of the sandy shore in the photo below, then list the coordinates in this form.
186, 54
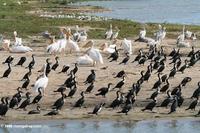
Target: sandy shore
9, 86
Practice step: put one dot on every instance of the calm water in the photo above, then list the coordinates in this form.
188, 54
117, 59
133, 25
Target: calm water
171, 11
74, 126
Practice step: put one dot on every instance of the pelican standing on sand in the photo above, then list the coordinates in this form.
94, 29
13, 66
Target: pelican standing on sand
42, 82
127, 46
71, 45
53, 48
17, 47
94, 53
85, 60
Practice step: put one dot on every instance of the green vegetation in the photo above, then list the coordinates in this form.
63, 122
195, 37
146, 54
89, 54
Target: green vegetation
16, 17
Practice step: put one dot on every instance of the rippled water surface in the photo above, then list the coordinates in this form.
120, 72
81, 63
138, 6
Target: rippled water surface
171, 11
75, 126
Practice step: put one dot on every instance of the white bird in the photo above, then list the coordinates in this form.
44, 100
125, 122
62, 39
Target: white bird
53, 48
142, 33
71, 45
161, 33
62, 43
127, 46
181, 37
108, 49
109, 33
115, 34
15, 48
83, 36
85, 60
42, 82
94, 54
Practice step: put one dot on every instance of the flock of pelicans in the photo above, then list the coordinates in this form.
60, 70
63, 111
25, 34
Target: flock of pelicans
156, 60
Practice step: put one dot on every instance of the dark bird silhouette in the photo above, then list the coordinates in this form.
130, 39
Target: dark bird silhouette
165, 87
38, 97
26, 102
27, 75
8, 60
186, 80
61, 89
64, 69
196, 93
72, 91
167, 100
150, 105
182, 69
120, 74
97, 109
172, 72
104, 90
58, 104
32, 63
4, 108
117, 101
21, 61
91, 78
114, 56
90, 88
173, 52
55, 66
7, 72
26, 83
139, 56
193, 105
174, 105
120, 84
75, 69
157, 83
53, 112
80, 101
191, 52
37, 111
125, 60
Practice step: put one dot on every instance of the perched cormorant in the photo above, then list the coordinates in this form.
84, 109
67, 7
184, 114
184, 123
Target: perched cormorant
104, 90
64, 69
55, 66
38, 97
125, 60
26, 102
90, 88
21, 61
8, 60
97, 109
32, 63
37, 111
7, 72
91, 78
80, 101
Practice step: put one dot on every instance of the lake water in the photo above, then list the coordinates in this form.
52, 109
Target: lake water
170, 11
90, 126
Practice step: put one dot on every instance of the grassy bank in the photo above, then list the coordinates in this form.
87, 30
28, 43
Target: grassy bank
14, 16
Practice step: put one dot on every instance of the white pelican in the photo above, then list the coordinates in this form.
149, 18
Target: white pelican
108, 49
127, 46
109, 33
71, 45
142, 36
161, 33
181, 37
94, 53
85, 60
115, 34
15, 48
42, 82
143, 33
62, 43
190, 35
83, 36
53, 48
